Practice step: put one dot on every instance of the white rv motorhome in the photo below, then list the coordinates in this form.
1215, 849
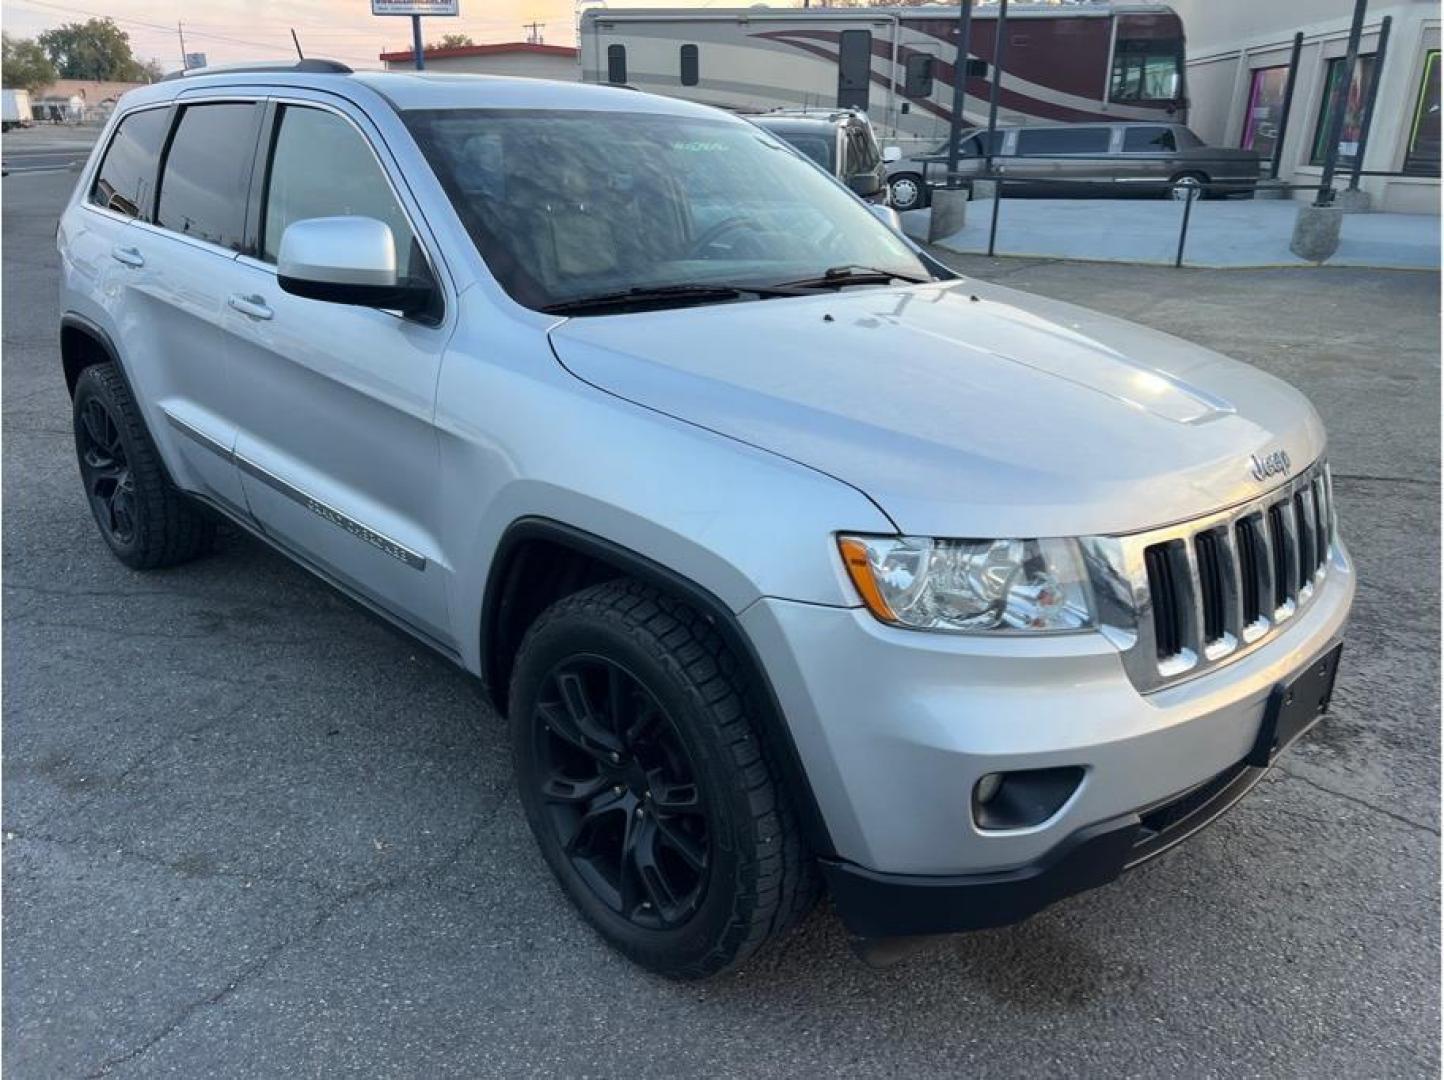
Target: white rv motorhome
1079, 63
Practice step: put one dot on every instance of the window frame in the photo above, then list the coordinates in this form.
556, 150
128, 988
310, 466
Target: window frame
260, 194
93, 176
616, 58
178, 106
696, 62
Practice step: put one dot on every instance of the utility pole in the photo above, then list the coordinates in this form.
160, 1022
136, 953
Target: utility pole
960, 87
533, 32
416, 47
182, 35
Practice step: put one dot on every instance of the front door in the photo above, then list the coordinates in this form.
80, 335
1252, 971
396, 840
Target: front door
854, 69
337, 451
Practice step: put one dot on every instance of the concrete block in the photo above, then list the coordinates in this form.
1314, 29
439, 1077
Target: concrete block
984, 189
1354, 202
1316, 232
949, 213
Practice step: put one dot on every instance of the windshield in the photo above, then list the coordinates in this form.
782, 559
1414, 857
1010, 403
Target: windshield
566, 205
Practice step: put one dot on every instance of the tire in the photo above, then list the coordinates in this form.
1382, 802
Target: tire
145, 520
1187, 185
907, 192
688, 712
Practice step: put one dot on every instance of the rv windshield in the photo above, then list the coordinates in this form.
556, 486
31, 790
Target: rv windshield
566, 206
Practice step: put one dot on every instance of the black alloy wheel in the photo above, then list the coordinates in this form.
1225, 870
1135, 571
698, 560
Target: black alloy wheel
105, 471
621, 792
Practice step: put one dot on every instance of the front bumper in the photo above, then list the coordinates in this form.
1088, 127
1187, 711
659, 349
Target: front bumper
895, 728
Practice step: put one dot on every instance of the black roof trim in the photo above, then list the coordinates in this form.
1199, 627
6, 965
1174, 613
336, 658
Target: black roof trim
300, 67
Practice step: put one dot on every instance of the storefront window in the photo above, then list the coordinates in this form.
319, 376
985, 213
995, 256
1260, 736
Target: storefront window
1265, 106
1423, 156
1357, 89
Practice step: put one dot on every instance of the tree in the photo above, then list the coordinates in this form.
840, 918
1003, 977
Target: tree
97, 49
451, 41
24, 65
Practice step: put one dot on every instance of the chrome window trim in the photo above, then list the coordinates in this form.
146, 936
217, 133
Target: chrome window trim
1125, 607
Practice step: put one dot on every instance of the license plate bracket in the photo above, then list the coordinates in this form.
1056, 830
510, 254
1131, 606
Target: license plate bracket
1294, 706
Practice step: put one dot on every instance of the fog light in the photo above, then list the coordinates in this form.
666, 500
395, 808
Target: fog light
987, 787
1023, 799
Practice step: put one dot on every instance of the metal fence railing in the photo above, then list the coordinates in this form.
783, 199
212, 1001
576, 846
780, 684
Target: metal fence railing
1106, 187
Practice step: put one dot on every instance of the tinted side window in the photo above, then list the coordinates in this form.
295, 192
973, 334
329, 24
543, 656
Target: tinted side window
689, 65
1041, 142
208, 173
616, 64
125, 182
1148, 141
918, 80
322, 167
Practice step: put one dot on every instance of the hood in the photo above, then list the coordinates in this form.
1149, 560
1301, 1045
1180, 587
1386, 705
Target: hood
962, 409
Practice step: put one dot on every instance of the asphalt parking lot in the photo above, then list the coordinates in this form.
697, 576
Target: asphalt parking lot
249, 831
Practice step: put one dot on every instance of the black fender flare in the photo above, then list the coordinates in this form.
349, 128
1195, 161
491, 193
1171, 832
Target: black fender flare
775, 732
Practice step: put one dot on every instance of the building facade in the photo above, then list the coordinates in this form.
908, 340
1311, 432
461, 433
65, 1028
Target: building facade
1237, 67
507, 58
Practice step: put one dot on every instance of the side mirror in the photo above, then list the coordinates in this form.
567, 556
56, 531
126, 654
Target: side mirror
891, 154
346, 260
888, 216
865, 184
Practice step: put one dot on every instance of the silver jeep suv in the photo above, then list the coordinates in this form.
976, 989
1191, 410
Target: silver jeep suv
793, 559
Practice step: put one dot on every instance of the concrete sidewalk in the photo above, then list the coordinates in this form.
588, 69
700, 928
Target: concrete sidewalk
1222, 234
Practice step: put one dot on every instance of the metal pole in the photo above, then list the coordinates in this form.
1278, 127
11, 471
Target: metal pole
1000, 41
960, 89
1380, 51
416, 47
1336, 117
993, 225
1183, 229
1289, 83
182, 35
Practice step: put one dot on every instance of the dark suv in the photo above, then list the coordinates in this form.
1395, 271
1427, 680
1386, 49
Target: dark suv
842, 142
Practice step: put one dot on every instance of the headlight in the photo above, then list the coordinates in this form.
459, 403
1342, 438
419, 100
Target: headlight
971, 586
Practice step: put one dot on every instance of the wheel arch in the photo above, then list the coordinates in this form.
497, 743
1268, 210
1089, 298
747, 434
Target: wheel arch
539, 560
84, 344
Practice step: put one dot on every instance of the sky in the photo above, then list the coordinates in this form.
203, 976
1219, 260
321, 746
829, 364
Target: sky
228, 31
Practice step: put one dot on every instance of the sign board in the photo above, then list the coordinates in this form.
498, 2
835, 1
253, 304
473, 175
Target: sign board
415, 7
195, 60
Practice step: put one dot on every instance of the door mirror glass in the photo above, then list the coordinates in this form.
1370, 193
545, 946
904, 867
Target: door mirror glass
865, 184
891, 154
346, 260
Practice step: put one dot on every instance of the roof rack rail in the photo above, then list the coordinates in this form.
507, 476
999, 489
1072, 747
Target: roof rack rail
300, 67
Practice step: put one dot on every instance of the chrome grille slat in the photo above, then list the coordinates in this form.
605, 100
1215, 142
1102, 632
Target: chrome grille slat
1232, 579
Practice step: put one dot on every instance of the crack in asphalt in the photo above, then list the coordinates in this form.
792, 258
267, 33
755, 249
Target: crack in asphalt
425, 876
1400, 818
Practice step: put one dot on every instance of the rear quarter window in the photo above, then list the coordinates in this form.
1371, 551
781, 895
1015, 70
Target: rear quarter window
125, 181
207, 172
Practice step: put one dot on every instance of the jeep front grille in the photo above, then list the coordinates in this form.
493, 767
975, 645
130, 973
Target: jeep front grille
1185, 599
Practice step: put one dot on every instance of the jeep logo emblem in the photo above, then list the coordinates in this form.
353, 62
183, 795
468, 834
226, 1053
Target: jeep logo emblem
1275, 464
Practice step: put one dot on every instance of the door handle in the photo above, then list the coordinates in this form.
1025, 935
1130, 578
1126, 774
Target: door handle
251, 306
128, 255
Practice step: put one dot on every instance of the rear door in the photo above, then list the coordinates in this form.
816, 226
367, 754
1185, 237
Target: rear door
1148, 155
854, 69
180, 258
337, 451
1062, 159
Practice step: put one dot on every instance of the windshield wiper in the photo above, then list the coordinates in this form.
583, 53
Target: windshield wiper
837, 277
652, 295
